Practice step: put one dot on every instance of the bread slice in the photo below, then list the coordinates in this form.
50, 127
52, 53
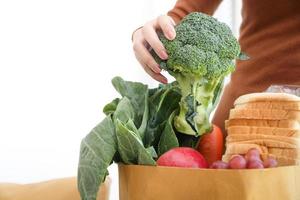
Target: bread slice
291, 153
249, 130
266, 97
272, 114
240, 148
282, 160
243, 149
293, 124
267, 143
275, 138
278, 105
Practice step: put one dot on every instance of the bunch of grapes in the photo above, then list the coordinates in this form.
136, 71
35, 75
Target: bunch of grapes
251, 160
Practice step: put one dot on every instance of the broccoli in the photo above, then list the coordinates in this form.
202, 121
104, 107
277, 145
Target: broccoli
200, 57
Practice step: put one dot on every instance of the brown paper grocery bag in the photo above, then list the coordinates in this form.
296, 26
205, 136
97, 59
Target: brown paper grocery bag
57, 189
168, 183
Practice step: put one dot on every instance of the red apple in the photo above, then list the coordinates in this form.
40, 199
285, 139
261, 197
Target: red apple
182, 157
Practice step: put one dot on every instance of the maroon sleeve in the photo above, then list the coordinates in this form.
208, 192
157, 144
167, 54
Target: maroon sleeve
184, 7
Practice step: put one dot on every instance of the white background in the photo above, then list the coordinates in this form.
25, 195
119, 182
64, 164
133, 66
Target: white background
56, 62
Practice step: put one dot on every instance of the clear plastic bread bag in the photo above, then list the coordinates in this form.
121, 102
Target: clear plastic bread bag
290, 89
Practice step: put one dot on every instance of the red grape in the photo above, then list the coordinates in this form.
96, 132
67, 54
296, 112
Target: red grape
252, 154
253, 151
270, 162
219, 165
255, 164
237, 162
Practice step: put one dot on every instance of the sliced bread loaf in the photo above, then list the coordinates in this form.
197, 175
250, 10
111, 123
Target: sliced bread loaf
249, 130
271, 114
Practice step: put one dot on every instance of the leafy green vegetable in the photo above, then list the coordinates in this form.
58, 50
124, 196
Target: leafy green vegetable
162, 102
136, 93
119, 137
130, 145
124, 111
200, 57
143, 125
152, 151
168, 139
96, 154
111, 107
131, 148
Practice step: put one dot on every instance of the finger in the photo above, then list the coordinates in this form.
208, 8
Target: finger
157, 76
143, 54
153, 40
166, 24
137, 34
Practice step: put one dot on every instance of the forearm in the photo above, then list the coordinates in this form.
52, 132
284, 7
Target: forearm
184, 7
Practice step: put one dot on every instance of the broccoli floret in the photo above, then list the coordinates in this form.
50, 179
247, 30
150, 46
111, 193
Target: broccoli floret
200, 57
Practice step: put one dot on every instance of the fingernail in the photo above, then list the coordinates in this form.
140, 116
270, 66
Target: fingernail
171, 34
163, 55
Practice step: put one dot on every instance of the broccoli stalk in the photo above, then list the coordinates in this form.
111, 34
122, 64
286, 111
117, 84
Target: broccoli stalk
200, 57
196, 103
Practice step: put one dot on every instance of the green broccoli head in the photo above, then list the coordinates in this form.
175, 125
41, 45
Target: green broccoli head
200, 57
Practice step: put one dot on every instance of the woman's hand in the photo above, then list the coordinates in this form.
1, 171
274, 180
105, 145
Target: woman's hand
146, 38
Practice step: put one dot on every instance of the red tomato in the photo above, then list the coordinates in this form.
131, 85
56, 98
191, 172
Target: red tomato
211, 145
